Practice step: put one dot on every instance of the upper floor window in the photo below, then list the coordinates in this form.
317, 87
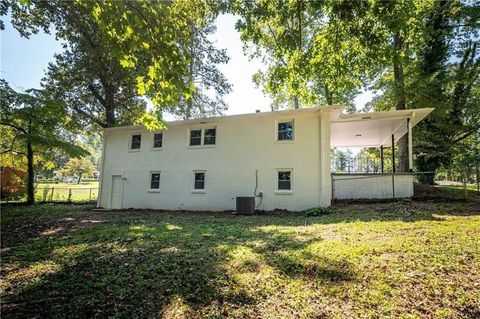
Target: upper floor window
285, 131
195, 137
285, 180
203, 136
209, 136
136, 142
157, 140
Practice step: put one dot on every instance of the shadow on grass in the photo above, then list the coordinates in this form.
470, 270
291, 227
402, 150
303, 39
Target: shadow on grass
140, 263
138, 268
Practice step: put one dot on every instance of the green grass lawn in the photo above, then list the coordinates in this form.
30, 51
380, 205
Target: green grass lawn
397, 260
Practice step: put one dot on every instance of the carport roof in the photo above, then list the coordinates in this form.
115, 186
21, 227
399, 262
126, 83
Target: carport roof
373, 129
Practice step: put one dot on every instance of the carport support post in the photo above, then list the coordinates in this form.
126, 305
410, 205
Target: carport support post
393, 153
393, 165
410, 147
381, 157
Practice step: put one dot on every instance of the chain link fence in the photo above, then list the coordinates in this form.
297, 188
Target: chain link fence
66, 195
390, 186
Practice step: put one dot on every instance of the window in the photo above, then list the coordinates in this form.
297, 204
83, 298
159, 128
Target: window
157, 140
136, 142
285, 131
155, 181
209, 136
284, 180
195, 137
199, 181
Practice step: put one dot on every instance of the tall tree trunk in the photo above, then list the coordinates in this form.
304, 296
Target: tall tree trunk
399, 83
30, 175
328, 95
296, 104
110, 105
188, 111
110, 116
79, 178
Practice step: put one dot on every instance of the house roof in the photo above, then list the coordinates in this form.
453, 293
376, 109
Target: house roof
348, 130
373, 129
336, 108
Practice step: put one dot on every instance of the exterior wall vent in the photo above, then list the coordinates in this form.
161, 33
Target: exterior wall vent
245, 205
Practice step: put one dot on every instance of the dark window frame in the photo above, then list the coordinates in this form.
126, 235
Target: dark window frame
286, 134
199, 184
161, 140
282, 182
199, 137
156, 181
203, 137
210, 137
133, 143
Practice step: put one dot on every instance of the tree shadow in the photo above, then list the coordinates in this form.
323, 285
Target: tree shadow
126, 268
142, 263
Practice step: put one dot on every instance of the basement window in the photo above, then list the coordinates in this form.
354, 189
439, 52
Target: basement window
136, 142
199, 181
155, 181
285, 131
284, 180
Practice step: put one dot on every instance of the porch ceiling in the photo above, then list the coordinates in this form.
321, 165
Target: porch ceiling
373, 129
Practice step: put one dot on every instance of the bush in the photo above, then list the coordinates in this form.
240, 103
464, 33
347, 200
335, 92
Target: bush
317, 211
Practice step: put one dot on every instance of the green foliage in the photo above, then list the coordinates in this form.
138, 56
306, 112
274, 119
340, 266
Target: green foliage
118, 51
78, 167
33, 127
309, 61
317, 211
208, 84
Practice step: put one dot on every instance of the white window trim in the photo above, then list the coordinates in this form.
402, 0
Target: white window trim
202, 137
153, 141
284, 191
130, 149
154, 190
277, 141
199, 191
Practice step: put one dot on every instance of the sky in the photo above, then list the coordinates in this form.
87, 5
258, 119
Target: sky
23, 63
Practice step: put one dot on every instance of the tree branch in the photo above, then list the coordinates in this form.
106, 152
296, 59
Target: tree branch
96, 94
90, 116
18, 128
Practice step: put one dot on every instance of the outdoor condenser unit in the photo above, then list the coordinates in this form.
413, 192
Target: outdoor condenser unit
245, 205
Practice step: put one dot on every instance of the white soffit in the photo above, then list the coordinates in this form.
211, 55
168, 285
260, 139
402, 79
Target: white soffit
373, 129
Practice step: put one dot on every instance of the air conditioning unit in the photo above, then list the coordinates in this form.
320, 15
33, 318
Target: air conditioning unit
245, 205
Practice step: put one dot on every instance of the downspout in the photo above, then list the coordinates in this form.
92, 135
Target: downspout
100, 192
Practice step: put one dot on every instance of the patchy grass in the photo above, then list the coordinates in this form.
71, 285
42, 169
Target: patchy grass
399, 260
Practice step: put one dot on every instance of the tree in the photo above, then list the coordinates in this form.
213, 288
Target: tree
203, 73
33, 125
412, 42
308, 61
78, 167
116, 52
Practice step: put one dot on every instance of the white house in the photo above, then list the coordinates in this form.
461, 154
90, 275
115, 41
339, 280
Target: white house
282, 158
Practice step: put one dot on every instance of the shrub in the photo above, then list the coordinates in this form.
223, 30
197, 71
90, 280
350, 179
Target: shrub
317, 211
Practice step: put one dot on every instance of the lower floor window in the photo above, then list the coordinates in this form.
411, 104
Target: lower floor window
199, 182
285, 180
155, 180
